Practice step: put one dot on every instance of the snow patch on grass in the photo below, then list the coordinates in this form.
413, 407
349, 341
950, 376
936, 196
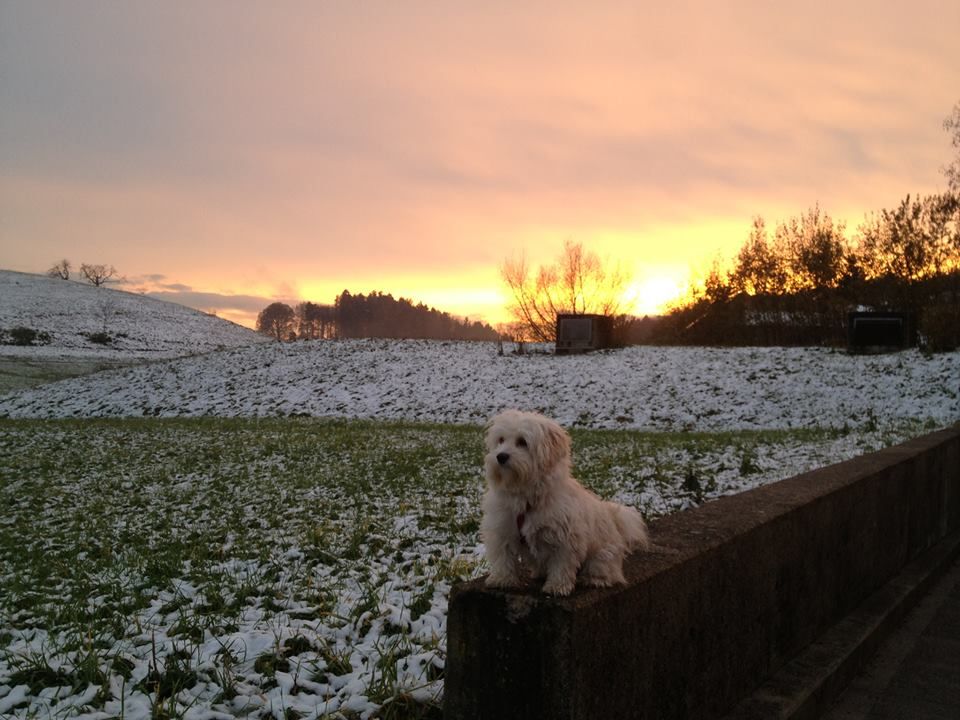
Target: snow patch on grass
646, 388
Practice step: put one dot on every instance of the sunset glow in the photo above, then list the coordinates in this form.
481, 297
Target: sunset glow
653, 295
228, 156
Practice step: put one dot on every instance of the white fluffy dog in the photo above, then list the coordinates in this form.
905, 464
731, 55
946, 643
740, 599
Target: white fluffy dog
537, 519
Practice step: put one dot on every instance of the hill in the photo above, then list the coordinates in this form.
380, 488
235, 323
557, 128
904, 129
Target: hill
69, 313
643, 388
80, 328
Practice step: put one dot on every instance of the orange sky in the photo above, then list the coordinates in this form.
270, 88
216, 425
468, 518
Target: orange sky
228, 154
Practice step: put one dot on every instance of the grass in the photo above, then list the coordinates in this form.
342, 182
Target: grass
18, 373
294, 564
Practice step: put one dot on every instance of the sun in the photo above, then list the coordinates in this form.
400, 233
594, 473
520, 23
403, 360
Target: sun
653, 295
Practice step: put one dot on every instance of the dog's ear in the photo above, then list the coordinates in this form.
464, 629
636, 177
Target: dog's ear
554, 446
488, 431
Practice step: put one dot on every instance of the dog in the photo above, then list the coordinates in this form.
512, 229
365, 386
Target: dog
538, 520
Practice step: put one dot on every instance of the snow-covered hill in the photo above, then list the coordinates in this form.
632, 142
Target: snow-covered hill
459, 382
139, 327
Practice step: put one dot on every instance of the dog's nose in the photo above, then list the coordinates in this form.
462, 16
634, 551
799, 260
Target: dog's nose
502, 458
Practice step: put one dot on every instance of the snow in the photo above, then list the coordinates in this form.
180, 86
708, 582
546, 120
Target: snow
649, 388
140, 327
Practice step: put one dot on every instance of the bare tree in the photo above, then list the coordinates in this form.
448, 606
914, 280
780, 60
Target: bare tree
277, 320
578, 282
952, 169
60, 270
106, 309
98, 275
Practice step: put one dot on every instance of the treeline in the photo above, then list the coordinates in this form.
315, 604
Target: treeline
362, 316
797, 283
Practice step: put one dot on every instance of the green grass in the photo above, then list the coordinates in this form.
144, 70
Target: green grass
219, 562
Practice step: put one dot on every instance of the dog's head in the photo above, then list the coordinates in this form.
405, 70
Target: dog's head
524, 449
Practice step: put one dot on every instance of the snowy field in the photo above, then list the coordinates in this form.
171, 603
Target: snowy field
229, 568
272, 531
646, 388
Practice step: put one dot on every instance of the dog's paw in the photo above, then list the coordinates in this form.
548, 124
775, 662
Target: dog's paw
600, 582
502, 580
560, 587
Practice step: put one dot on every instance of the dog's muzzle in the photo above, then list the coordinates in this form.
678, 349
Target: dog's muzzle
502, 458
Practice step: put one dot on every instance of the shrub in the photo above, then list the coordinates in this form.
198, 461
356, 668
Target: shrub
100, 338
23, 335
27, 336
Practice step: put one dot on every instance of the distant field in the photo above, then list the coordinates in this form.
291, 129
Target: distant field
17, 373
174, 568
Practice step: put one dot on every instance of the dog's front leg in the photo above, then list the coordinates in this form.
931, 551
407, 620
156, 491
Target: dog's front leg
561, 572
504, 558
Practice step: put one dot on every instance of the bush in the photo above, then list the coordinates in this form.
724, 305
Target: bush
940, 328
100, 338
25, 336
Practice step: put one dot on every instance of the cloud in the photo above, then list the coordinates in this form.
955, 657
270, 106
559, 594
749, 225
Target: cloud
328, 141
210, 302
157, 286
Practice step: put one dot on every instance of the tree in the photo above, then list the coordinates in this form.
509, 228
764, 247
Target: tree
60, 270
380, 315
310, 325
315, 322
952, 169
276, 320
807, 253
578, 282
759, 269
918, 239
718, 287
98, 275
814, 250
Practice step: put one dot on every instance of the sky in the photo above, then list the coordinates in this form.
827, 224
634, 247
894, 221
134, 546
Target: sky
227, 154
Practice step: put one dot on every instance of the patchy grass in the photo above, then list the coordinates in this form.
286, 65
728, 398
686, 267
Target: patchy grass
18, 373
297, 567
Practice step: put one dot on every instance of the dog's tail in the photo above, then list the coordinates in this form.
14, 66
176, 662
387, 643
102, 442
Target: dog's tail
633, 528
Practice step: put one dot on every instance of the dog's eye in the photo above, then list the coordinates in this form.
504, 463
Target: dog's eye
521, 442
500, 441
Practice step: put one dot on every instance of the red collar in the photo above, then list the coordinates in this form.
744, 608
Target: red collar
521, 518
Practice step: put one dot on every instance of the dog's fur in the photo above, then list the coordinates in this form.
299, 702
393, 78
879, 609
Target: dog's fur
537, 519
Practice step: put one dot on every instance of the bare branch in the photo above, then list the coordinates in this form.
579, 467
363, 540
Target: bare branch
98, 275
60, 270
578, 282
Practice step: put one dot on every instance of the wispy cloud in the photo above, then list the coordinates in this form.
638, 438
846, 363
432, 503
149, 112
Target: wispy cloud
213, 302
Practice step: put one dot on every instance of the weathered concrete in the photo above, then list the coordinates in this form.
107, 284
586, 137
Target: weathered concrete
916, 672
748, 582
807, 686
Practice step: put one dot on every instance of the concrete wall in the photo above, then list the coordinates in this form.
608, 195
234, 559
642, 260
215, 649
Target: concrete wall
749, 581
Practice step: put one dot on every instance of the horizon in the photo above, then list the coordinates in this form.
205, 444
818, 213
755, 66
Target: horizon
228, 157
124, 286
